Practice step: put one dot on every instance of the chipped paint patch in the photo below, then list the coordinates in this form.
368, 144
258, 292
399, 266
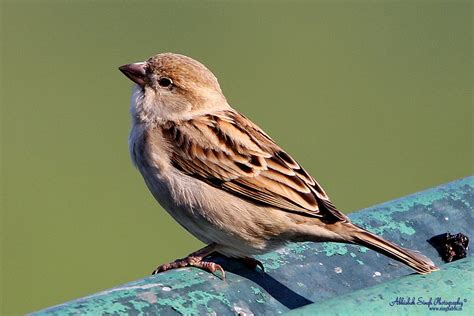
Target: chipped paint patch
384, 222
382, 214
148, 296
282, 251
203, 298
189, 303
261, 297
332, 248
299, 248
338, 270
181, 278
272, 260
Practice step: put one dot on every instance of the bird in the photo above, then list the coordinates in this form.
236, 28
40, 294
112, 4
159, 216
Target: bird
225, 180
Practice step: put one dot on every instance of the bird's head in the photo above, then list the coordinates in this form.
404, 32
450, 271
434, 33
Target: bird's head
172, 87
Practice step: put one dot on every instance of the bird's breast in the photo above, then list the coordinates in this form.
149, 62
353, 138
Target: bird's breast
135, 142
148, 148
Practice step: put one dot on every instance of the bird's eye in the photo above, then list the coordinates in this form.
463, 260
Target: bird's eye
165, 82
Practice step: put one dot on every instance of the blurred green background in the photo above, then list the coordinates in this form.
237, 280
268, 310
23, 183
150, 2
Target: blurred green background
373, 98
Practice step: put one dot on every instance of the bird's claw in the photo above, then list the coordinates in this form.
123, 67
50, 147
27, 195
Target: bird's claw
191, 262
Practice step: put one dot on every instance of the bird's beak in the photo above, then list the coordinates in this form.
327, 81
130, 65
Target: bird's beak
135, 72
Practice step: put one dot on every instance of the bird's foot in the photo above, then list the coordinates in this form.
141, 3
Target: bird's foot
191, 261
194, 260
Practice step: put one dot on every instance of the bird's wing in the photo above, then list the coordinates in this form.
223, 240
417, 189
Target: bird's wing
226, 150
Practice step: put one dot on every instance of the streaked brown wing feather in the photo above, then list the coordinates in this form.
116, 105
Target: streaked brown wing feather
228, 151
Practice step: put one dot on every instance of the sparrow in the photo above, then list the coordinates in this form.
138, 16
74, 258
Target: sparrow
222, 178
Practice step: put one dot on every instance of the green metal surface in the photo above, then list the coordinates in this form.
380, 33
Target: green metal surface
449, 290
305, 273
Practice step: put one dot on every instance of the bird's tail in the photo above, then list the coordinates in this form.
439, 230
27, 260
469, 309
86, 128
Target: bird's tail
411, 258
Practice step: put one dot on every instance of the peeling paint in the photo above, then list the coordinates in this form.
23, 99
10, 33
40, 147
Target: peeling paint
376, 300
148, 296
272, 260
332, 248
261, 298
